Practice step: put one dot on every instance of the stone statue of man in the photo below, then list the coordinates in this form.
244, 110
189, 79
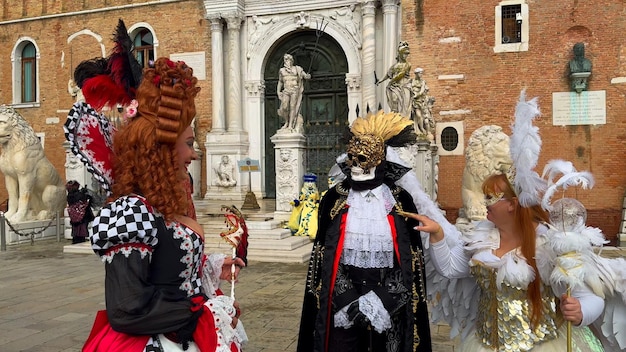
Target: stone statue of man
290, 88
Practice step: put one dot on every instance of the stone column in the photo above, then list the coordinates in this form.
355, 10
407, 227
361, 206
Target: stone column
434, 194
217, 79
353, 82
233, 108
390, 32
426, 167
195, 169
369, 57
255, 104
289, 151
229, 139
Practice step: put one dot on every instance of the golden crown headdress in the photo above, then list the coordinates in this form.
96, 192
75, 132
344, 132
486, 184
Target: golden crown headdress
382, 125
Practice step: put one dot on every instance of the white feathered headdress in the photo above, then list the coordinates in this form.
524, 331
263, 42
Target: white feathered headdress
525, 145
570, 177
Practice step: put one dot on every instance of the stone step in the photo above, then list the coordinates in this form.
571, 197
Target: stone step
79, 248
299, 255
292, 251
268, 240
275, 234
286, 244
219, 224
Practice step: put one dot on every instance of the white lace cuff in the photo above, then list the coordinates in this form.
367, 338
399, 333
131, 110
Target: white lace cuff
371, 305
341, 318
223, 312
211, 272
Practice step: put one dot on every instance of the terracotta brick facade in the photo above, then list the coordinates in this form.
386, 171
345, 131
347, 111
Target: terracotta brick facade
493, 81
179, 27
446, 38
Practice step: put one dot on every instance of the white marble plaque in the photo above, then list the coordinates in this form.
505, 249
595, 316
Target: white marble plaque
584, 108
195, 60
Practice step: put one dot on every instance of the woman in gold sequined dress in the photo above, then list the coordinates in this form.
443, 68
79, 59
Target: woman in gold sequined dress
518, 309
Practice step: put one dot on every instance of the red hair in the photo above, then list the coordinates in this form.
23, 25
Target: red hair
525, 220
145, 161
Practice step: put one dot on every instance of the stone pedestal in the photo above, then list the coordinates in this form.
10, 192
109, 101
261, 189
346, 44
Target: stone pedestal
235, 145
426, 167
290, 164
425, 161
40, 229
195, 169
579, 80
75, 169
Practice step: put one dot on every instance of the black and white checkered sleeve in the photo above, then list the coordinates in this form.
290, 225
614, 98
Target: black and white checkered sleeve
127, 220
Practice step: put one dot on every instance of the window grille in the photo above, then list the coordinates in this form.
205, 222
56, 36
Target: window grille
449, 138
511, 24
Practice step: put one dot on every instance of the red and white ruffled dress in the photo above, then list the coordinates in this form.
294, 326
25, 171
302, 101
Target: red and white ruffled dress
161, 289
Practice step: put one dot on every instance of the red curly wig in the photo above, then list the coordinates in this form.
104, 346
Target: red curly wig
145, 161
525, 223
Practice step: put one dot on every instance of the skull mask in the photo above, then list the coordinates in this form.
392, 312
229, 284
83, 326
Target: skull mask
365, 153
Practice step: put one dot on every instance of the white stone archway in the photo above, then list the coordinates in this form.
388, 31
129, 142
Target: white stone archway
255, 70
244, 35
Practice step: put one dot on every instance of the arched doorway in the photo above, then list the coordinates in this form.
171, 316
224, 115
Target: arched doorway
324, 104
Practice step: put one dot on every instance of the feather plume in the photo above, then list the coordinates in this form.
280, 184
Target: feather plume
525, 145
555, 167
124, 68
381, 124
101, 91
89, 69
570, 177
112, 80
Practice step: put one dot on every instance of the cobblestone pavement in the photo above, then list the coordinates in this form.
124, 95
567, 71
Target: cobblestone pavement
48, 300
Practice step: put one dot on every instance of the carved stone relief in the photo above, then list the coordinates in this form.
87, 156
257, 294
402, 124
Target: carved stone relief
350, 19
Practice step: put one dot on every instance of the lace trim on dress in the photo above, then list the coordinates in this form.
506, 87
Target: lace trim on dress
368, 241
372, 307
125, 250
211, 271
375, 311
223, 312
193, 246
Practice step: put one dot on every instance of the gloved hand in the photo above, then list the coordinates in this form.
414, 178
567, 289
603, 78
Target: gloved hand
356, 316
373, 309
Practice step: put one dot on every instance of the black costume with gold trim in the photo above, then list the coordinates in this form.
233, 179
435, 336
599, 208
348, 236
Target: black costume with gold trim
404, 298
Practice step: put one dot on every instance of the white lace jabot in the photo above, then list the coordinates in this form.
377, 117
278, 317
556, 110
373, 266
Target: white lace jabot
368, 242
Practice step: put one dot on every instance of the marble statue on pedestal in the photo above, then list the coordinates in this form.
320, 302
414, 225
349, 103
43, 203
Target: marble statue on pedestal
487, 153
399, 90
225, 171
290, 89
36, 191
421, 105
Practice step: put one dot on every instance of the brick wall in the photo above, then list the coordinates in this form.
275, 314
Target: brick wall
493, 82
491, 86
179, 27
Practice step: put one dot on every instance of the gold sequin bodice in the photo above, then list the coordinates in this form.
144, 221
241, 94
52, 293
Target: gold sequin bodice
503, 321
